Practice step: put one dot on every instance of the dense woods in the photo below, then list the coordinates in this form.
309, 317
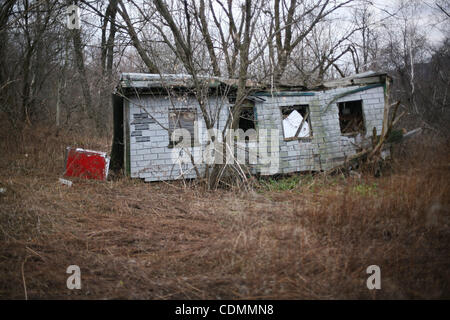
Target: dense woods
53, 74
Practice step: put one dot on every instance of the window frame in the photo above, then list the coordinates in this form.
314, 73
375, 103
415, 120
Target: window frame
306, 119
194, 133
247, 104
353, 133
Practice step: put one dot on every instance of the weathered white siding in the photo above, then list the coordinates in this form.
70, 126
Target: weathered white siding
151, 159
328, 147
150, 156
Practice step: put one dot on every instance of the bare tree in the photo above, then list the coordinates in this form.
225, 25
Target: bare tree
135, 38
293, 23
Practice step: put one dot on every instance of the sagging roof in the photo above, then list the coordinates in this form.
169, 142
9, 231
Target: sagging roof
152, 82
365, 78
149, 80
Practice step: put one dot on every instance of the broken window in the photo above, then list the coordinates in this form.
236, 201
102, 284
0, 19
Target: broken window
351, 118
247, 116
296, 122
182, 119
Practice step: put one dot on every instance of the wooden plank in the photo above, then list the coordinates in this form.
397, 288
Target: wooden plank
301, 124
126, 140
387, 89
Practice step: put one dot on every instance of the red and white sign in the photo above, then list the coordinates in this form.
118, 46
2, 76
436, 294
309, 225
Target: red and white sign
86, 164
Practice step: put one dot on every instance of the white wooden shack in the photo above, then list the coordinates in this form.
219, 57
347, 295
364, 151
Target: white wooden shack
335, 119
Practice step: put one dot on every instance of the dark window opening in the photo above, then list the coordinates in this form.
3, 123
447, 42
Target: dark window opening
182, 119
232, 99
247, 120
118, 150
351, 118
247, 117
296, 122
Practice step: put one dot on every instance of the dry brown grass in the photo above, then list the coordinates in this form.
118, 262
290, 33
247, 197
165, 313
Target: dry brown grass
161, 241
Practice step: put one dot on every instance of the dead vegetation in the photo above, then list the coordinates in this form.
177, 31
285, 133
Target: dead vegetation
302, 237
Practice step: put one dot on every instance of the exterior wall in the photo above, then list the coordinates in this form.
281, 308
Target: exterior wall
327, 147
152, 159
150, 156
294, 155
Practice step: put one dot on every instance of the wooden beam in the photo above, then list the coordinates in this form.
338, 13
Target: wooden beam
301, 124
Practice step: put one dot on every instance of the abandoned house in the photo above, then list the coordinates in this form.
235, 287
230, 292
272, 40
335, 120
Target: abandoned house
310, 129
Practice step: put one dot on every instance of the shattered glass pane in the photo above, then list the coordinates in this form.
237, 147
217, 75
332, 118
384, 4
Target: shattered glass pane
292, 123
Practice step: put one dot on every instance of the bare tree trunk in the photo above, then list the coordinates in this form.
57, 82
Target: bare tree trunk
5, 81
79, 61
107, 58
135, 39
58, 102
413, 93
241, 91
205, 33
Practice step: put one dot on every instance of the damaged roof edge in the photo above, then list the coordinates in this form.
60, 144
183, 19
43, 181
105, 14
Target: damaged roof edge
365, 78
161, 81
282, 93
147, 81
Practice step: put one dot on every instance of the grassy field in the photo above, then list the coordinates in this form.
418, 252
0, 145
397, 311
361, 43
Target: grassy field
297, 237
